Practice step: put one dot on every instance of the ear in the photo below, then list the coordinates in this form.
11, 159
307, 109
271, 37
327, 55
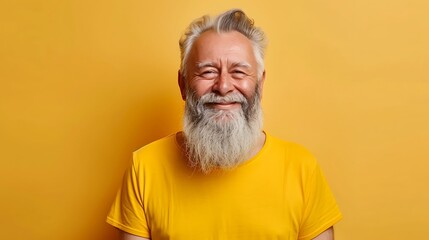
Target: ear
261, 84
182, 84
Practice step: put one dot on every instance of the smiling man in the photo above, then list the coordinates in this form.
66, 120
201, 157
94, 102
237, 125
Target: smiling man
223, 177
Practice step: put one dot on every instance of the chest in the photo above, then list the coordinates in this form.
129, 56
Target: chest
227, 207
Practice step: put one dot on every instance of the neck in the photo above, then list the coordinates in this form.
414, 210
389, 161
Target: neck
259, 145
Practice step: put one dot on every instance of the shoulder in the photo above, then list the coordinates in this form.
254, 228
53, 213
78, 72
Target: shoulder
162, 143
293, 153
157, 151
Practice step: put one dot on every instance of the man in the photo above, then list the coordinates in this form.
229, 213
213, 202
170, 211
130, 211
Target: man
223, 177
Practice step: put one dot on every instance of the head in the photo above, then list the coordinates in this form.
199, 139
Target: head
229, 21
221, 78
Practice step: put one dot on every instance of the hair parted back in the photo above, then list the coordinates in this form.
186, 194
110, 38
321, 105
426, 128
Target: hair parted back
232, 20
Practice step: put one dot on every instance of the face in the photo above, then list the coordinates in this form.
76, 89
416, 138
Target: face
223, 118
222, 63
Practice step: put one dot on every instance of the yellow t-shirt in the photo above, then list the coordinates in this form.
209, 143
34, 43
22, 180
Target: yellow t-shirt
278, 194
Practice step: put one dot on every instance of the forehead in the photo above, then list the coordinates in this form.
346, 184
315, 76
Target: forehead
214, 46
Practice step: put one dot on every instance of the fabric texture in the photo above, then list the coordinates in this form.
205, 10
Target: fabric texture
280, 193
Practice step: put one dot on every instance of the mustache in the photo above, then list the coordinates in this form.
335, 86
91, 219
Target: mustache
230, 98
197, 107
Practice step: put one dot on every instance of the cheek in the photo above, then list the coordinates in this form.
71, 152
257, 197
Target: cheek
201, 87
247, 88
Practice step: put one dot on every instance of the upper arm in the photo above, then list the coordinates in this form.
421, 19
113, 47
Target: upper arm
126, 236
328, 234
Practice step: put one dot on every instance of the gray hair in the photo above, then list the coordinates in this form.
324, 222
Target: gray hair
232, 20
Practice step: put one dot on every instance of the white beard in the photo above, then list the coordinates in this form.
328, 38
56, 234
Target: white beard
221, 139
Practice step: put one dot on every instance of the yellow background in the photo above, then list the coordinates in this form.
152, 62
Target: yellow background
84, 83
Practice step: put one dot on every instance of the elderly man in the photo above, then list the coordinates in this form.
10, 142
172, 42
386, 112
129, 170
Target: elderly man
223, 177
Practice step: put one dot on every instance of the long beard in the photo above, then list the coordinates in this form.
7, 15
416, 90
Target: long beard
221, 139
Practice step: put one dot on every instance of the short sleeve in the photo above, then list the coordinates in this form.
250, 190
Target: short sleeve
127, 212
321, 210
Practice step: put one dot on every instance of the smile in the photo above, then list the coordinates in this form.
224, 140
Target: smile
224, 105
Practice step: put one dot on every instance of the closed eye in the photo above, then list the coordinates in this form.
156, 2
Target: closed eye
239, 74
208, 74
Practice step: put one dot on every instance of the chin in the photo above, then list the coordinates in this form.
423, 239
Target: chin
226, 115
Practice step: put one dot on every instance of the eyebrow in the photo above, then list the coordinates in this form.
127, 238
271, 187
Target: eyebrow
212, 64
205, 64
241, 64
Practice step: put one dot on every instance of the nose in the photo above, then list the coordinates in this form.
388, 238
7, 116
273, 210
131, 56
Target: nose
223, 84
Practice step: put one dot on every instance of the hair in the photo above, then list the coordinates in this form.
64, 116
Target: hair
232, 20
217, 139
